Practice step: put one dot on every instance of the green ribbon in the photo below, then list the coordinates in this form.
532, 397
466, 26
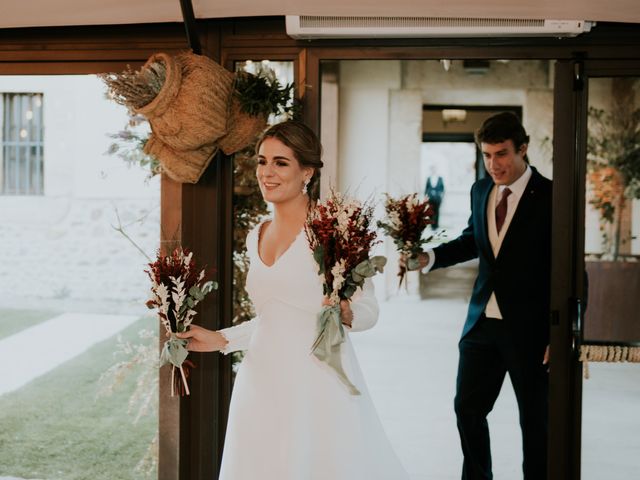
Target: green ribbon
174, 351
413, 263
327, 345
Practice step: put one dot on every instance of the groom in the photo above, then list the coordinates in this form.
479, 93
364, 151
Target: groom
506, 329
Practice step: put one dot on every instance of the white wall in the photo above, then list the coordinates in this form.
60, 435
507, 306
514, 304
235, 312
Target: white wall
366, 153
380, 121
364, 115
61, 245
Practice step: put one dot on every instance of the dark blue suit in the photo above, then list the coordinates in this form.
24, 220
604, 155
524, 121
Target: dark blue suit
489, 348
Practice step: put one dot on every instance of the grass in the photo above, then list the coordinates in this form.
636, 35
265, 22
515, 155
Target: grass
55, 428
12, 321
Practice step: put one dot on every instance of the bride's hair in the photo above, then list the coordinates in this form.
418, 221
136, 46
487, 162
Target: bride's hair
305, 145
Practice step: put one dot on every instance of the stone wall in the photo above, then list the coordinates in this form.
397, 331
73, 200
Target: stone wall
59, 250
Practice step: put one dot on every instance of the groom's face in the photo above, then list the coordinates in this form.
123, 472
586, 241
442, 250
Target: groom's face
503, 162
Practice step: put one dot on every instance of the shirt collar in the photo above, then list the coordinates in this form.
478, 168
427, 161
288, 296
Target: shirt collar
517, 187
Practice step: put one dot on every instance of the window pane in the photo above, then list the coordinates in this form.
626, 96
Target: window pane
22, 130
612, 258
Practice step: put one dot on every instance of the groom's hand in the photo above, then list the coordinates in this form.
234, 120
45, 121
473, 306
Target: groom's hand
423, 261
545, 360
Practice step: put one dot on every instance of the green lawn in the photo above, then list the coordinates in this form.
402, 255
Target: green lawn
12, 321
54, 428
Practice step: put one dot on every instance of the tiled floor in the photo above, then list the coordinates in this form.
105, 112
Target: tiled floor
409, 360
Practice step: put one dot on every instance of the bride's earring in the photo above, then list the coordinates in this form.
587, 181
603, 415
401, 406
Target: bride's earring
305, 186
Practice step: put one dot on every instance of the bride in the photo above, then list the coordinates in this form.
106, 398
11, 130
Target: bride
290, 417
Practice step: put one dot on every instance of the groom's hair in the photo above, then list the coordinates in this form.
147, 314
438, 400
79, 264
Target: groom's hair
500, 128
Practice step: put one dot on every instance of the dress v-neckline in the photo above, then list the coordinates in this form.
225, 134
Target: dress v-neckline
277, 260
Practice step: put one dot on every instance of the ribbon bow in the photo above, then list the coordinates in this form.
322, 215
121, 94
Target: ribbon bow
326, 348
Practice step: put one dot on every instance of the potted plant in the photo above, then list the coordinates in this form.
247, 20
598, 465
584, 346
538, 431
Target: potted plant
613, 173
613, 165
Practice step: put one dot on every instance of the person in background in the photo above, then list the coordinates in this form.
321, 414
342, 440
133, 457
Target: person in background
434, 191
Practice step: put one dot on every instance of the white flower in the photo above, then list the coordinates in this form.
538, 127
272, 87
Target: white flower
186, 259
394, 220
343, 224
338, 276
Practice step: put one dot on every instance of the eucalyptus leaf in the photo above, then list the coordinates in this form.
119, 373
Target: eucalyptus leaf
318, 256
196, 293
356, 277
371, 266
379, 261
349, 290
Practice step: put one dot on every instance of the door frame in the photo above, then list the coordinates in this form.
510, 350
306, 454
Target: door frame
192, 429
568, 291
569, 146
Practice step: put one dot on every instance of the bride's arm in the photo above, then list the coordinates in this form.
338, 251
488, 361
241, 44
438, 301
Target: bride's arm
238, 336
225, 341
365, 308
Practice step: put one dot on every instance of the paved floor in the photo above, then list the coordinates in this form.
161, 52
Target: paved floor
51, 343
409, 360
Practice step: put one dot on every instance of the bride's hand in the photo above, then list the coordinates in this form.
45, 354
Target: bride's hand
203, 340
346, 314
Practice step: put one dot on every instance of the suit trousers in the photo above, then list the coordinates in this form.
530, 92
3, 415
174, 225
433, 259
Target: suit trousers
491, 349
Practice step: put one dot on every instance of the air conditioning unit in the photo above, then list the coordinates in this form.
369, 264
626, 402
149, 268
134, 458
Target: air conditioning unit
317, 27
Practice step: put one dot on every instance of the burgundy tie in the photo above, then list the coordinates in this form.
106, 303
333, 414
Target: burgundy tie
501, 209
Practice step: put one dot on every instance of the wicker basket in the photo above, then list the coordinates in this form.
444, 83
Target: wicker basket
184, 166
242, 128
191, 109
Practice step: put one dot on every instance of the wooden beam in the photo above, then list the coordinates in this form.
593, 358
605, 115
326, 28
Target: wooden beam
190, 26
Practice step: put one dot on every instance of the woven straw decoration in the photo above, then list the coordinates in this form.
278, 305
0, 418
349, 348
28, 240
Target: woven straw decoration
242, 128
191, 109
184, 166
607, 353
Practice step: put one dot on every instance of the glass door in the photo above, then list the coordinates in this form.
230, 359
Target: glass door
595, 371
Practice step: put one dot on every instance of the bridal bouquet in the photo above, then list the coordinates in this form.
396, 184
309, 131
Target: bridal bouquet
341, 238
405, 221
177, 287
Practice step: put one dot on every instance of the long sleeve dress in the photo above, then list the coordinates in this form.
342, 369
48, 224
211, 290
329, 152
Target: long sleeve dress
290, 417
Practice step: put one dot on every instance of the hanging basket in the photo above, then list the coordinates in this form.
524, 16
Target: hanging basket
184, 166
190, 111
242, 128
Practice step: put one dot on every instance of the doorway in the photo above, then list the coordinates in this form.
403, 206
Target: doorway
391, 122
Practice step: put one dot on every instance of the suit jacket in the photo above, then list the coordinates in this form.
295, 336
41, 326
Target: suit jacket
520, 275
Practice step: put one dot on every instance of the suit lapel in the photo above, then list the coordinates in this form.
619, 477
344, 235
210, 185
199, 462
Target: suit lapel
484, 229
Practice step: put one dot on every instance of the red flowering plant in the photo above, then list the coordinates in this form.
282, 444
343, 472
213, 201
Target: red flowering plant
341, 238
177, 287
406, 219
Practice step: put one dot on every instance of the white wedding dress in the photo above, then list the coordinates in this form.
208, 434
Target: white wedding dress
291, 418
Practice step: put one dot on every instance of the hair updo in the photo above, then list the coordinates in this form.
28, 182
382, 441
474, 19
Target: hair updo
306, 148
